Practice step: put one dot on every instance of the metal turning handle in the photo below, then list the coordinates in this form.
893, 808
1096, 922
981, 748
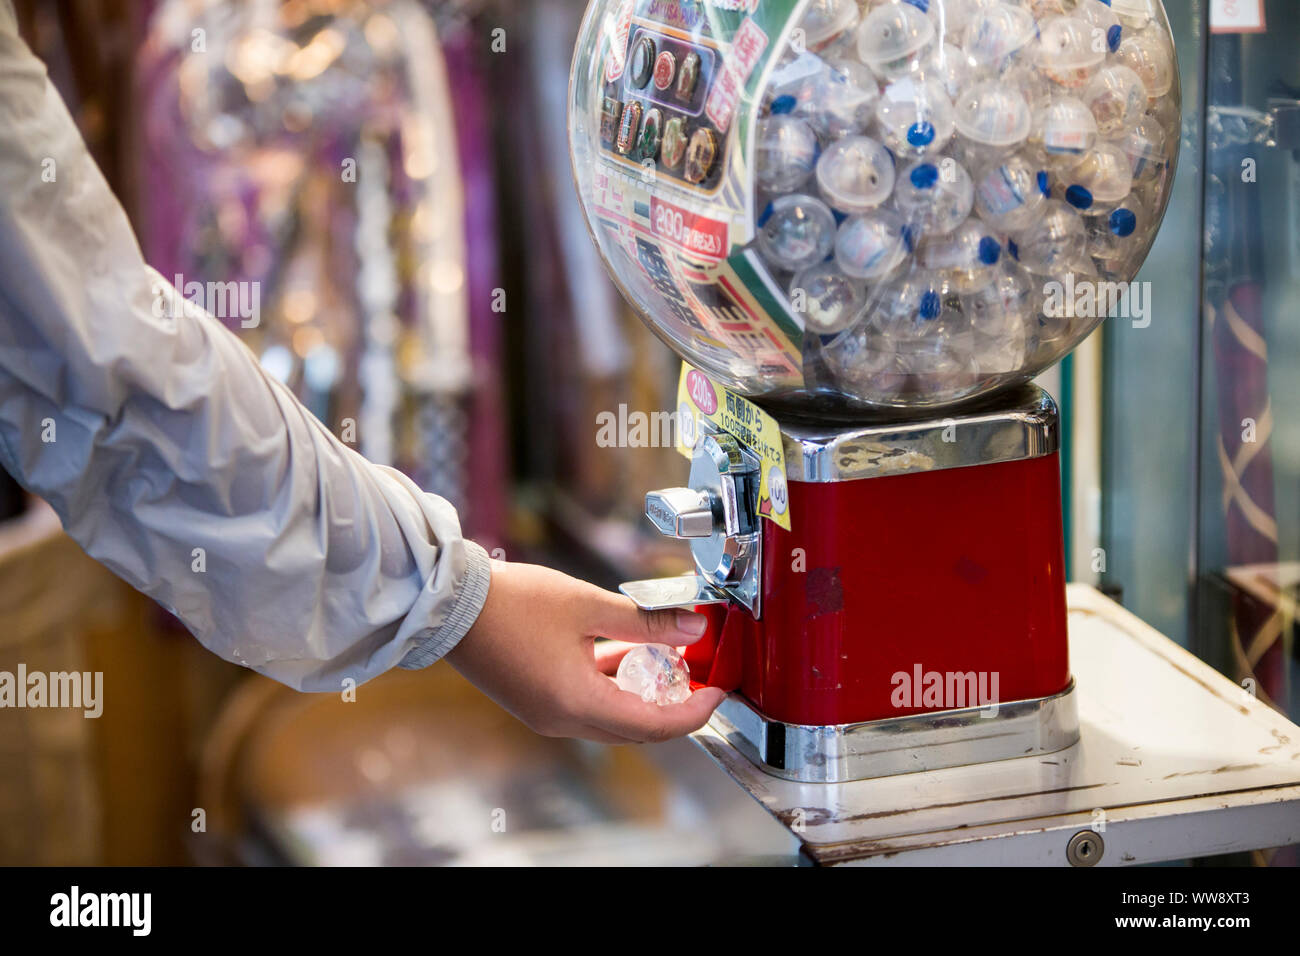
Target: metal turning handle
681, 512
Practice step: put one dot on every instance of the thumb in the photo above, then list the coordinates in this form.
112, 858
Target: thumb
619, 618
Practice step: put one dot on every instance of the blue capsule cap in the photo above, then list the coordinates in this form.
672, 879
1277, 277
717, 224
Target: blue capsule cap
1113, 36
1079, 197
909, 238
925, 176
921, 134
1013, 249
784, 104
922, 5
1044, 183
1123, 222
990, 251
764, 216
930, 305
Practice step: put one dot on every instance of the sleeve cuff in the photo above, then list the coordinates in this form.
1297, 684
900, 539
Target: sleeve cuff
438, 642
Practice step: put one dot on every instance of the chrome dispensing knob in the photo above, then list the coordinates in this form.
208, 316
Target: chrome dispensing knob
681, 512
716, 514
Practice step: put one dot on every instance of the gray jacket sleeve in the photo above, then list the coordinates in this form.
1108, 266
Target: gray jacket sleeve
175, 460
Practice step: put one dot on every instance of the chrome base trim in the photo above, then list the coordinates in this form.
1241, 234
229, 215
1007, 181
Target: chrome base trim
836, 753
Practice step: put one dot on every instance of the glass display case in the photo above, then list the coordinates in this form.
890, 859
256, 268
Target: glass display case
1201, 440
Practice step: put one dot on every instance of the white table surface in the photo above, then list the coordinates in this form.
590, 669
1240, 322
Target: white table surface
1174, 761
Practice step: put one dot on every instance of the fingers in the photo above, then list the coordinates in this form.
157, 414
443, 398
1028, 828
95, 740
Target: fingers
627, 715
609, 654
617, 616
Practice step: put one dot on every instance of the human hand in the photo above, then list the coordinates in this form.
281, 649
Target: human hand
533, 650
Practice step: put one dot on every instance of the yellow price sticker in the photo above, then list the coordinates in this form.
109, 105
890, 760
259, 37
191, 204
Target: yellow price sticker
700, 400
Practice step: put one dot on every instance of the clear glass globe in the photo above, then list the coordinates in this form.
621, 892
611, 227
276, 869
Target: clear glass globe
847, 206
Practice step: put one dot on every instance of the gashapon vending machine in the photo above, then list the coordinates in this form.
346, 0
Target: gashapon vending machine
865, 227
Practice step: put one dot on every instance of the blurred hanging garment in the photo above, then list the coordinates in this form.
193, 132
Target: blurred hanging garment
316, 156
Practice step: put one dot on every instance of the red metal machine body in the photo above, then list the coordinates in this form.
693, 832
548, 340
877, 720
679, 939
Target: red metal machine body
952, 571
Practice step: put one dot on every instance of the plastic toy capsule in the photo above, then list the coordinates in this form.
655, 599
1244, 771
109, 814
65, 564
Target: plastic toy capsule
795, 232
785, 152
895, 39
855, 174
871, 245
